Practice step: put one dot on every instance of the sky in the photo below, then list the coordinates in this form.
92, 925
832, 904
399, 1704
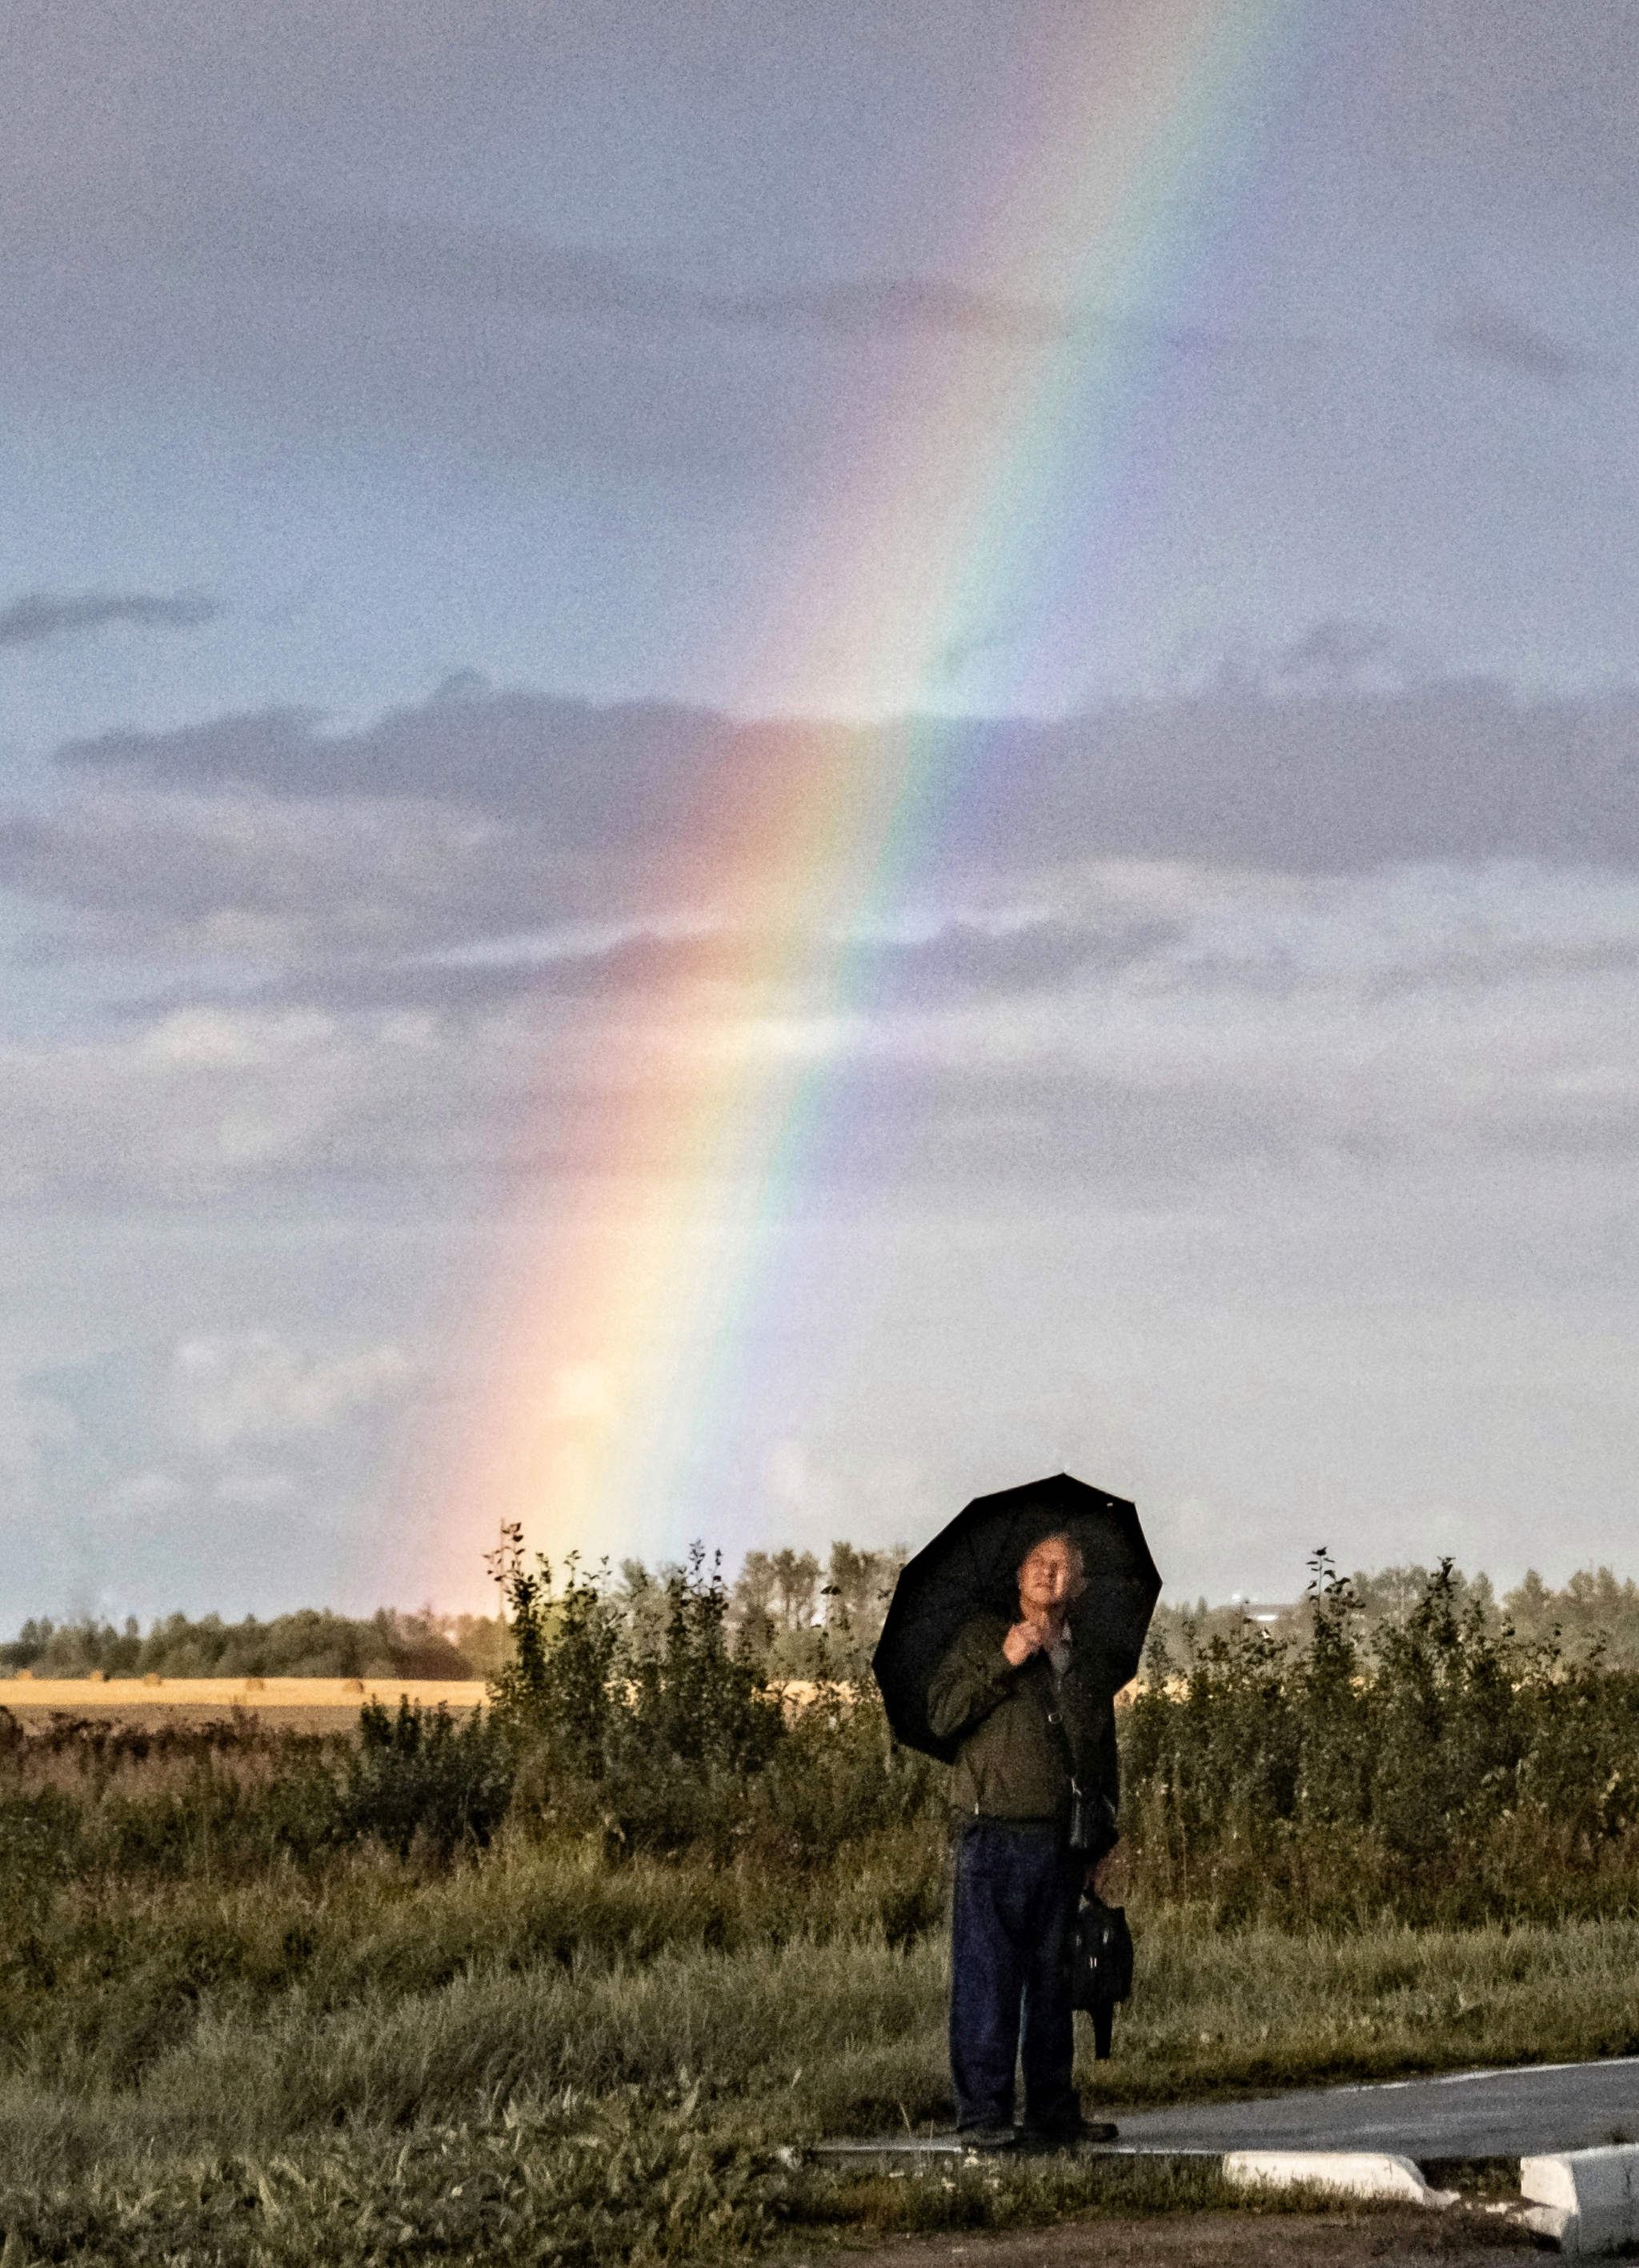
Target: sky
760, 766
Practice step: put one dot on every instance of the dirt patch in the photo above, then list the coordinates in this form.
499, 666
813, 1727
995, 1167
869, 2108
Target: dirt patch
1369, 2238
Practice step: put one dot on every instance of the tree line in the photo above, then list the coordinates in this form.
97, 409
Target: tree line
792, 1611
1595, 1608
779, 1608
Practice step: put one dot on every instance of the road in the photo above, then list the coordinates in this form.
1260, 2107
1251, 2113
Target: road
1467, 2114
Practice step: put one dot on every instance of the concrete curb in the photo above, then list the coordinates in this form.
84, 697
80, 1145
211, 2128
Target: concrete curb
1351, 2173
1586, 2200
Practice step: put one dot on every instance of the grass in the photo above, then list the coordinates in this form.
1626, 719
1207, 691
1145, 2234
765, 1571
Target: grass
1257, 2010
558, 2179
375, 1990
533, 2056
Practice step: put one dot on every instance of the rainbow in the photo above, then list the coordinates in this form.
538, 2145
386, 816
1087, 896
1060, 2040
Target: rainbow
616, 1335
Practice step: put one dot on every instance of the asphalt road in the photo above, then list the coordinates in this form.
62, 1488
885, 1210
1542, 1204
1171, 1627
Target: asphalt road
1467, 2114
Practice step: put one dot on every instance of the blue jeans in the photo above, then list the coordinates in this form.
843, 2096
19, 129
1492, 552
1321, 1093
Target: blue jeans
1017, 1891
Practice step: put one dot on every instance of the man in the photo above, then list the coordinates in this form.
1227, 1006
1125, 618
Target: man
1033, 1712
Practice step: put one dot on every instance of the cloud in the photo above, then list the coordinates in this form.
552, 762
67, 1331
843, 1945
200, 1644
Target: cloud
887, 306
1500, 89
161, 1450
1332, 661
959, 956
259, 1387
472, 267
1319, 772
1462, 1009
409, 258
274, 881
1139, 942
39, 617
196, 1102
631, 354
1491, 334
467, 743
283, 331
204, 212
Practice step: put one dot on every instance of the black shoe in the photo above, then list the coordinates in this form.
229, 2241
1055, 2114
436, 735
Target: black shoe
986, 2138
1069, 2134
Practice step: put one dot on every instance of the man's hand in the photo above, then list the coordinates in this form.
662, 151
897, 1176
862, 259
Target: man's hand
1024, 1640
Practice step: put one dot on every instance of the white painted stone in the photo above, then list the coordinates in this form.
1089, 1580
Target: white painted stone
1586, 2200
1353, 2173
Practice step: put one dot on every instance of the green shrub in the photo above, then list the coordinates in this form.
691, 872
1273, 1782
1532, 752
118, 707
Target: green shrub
419, 1775
638, 1719
1451, 1772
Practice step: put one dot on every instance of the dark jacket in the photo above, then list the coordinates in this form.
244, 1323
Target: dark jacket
1014, 1762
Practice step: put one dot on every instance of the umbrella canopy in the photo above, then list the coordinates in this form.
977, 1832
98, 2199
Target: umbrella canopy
974, 1564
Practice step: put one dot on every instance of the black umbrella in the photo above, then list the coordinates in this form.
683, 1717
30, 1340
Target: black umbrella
974, 1564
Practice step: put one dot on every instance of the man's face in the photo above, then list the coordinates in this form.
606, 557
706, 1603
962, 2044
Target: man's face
1049, 1578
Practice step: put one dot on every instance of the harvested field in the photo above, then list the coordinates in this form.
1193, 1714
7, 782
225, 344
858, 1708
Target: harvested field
312, 1704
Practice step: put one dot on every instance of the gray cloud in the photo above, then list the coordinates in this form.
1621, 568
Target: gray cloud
1519, 94
1131, 944
1317, 782
510, 347
466, 744
297, 335
879, 307
1491, 334
41, 616
95, 109
962, 959
243, 875
476, 267
1141, 1062
197, 265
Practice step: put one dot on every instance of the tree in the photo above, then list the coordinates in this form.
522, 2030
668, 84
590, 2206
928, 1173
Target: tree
795, 1588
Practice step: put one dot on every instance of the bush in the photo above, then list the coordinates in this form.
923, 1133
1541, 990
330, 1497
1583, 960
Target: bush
637, 1718
419, 1776
1450, 1771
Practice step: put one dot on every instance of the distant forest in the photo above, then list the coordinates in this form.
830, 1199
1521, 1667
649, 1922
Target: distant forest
1594, 1609
793, 1614
787, 1610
